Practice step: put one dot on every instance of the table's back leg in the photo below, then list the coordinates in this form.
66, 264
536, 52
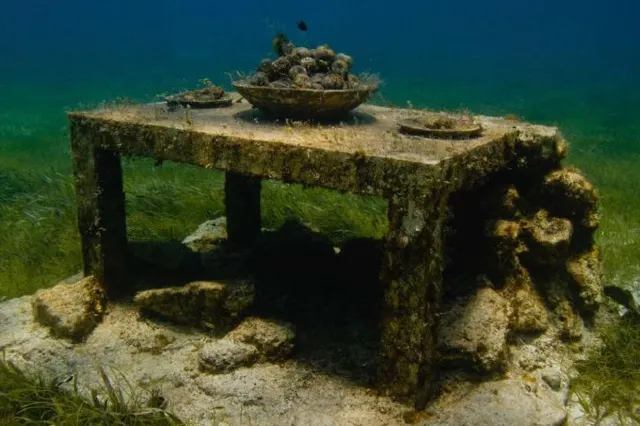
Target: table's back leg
412, 270
242, 208
101, 213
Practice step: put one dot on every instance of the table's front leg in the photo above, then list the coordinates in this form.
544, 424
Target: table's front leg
411, 272
242, 208
101, 213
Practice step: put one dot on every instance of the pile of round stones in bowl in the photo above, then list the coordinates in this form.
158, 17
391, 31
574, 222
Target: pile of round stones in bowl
303, 68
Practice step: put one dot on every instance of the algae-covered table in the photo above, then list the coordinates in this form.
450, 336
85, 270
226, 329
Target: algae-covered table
364, 155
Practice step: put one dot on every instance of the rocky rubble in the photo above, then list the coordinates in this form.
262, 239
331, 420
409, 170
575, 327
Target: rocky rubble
207, 380
475, 333
254, 340
207, 304
71, 310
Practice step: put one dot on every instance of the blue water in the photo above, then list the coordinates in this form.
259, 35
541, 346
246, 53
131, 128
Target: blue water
567, 62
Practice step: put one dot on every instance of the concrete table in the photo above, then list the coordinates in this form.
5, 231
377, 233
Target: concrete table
364, 155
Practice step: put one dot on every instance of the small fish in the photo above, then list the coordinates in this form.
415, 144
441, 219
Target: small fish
302, 26
279, 43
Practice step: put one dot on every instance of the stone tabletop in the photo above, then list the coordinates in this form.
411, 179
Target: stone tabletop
239, 138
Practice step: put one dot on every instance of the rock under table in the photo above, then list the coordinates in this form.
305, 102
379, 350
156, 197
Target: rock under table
363, 155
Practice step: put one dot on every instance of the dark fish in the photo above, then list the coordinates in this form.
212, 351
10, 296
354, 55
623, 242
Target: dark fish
302, 26
279, 43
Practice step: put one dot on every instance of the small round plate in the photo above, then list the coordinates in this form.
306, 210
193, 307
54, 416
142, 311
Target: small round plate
414, 126
198, 102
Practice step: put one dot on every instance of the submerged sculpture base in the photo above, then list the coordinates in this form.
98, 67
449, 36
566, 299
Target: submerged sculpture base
364, 155
195, 372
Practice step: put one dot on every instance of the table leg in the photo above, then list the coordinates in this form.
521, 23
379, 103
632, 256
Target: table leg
242, 205
101, 213
411, 272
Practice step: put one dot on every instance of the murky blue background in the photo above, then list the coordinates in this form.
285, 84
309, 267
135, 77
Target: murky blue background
567, 62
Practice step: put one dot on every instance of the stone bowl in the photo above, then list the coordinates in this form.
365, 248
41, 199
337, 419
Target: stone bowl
460, 130
304, 103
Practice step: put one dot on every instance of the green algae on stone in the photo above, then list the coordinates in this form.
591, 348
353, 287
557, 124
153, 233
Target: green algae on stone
100, 203
537, 152
224, 356
504, 202
412, 296
505, 243
585, 270
209, 236
547, 238
571, 323
206, 304
529, 313
567, 193
273, 339
70, 311
475, 333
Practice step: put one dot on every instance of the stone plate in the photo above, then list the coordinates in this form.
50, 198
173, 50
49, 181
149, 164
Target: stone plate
413, 126
304, 103
202, 102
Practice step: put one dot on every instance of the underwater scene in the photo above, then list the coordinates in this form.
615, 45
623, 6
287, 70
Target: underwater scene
333, 213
